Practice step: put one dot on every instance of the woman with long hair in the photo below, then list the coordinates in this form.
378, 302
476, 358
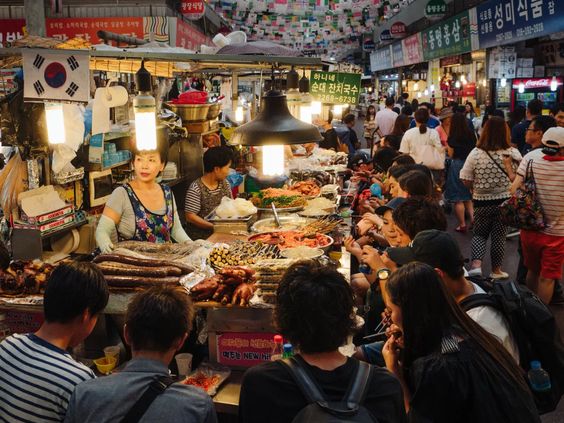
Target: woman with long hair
401, 125
416, 139
451, 369
461, 140
488, 171
370, 126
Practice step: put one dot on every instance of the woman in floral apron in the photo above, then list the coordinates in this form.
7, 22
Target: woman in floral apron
141, 210
205, 193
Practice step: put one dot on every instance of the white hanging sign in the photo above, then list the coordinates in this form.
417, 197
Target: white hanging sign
56, 75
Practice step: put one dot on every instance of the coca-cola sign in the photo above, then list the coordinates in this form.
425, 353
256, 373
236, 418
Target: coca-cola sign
535, 83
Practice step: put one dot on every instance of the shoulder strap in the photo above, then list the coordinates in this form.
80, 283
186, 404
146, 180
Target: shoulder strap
360, 385
496, 163
157, 387
477, 300
306, 384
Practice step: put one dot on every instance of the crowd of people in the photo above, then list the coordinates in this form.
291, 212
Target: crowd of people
432, 355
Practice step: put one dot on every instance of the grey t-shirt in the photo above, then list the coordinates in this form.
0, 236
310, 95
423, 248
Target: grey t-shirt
120, 203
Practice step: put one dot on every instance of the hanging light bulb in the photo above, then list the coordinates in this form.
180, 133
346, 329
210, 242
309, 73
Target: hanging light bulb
316, 107
416, 86
553, 83
273, 160
484, 82
55, 123
432, 87
521, 88
144, 107
337, 110
426, 92
239, 114
457, 84
503, 81
419, 94
403, 82
305, 114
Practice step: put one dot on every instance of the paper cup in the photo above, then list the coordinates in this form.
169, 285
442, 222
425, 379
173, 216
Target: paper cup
112, 351
184, 363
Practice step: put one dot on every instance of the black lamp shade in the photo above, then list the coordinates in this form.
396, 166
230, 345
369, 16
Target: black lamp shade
274, 125
304, 84
143, 79
292, 79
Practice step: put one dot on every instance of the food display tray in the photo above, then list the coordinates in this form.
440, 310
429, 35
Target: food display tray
281, 209
214, 218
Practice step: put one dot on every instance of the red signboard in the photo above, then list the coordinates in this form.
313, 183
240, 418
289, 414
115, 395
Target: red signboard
87, 28
398, 30
242, 349
10, 31
23, 321
469, 90
189, 37
411, 50
536, 83
193, 9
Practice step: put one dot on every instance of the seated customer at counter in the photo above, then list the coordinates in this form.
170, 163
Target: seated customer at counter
320, 296
141, 210
157, 323
206, 192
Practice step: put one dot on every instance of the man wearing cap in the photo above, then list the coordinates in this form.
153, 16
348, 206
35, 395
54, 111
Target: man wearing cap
543, 251
440, 250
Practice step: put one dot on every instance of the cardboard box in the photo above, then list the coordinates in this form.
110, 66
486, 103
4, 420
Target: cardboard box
43, 205
47, 227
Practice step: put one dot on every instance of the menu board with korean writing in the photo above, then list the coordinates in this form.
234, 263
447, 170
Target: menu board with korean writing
381, 59
411, 47
335, 88
452, 36
397, 54
508, 21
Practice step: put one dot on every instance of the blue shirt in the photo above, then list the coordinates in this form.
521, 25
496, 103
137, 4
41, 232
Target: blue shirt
109, 398
518, 136
431, 123
37, 379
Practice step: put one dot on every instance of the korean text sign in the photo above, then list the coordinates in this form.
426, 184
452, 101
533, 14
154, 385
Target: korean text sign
451, 36
87, 28
381, 59
335, 88
508, 21
10, 31
244, 349
411, 47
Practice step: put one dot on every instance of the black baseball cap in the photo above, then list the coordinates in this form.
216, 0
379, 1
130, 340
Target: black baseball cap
393, 204
433, 247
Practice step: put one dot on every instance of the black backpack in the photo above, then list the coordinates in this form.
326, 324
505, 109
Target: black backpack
534, 330
319, 410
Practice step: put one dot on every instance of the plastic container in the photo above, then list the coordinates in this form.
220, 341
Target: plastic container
278, 349
184, 363
539, 379
288, 351
112, 352
105, 364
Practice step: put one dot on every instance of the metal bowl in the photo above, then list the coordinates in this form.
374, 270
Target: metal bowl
214, 111
191, 112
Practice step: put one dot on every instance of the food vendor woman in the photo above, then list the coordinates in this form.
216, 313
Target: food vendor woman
141, 210
205, 193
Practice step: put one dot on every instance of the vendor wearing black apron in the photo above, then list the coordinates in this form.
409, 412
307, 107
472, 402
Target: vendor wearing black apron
141, 210
205, 193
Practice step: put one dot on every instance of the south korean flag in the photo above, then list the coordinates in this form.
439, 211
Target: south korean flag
56, 75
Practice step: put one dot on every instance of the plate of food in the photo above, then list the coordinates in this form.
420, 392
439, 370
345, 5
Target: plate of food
291, 239
287, 223
319, 207
208, 378
283, 199
307, 188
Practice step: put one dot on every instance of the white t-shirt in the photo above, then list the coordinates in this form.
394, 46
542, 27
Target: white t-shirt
413, 140
385, 120
493, 321
549, 182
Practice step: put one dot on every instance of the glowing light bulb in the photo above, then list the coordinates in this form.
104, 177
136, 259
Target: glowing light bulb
273, 160
419, 94
416, 86
239, 114
426, 92
553, 84
484, 82
305, 114
55, 123
338, 110
457, 84
503, 82
316, 107
521, 88
432, 87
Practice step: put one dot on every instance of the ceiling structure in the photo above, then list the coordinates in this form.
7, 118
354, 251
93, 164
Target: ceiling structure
327, 28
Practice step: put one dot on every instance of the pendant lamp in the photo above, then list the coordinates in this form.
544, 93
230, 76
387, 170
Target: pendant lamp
274, 125
292, 79
304, 84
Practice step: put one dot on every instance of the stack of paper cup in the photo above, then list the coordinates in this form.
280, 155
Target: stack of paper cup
184, 363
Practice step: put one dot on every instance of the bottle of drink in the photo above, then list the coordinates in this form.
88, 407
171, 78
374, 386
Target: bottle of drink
539, 379
288, 351
278, 349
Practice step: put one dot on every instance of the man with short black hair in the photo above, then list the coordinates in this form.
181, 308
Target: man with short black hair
157, 323
433, 122
37, 374
350, 138
386, 118
558, 113
534, 109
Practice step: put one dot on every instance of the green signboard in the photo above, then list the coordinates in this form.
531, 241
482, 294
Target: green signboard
435, 9
335, 88
450, 37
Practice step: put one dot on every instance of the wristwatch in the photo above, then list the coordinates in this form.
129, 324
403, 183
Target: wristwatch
384, 273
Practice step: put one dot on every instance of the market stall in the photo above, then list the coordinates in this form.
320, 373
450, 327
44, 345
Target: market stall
64, 163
